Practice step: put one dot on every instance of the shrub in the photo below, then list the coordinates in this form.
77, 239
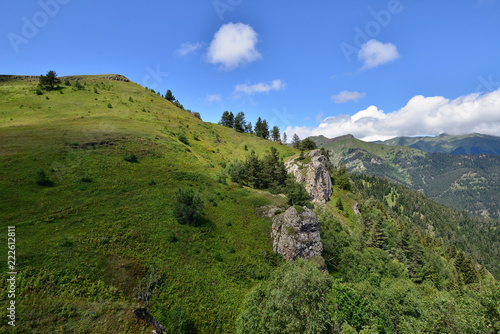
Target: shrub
182, 138
131, 158
42, 179
152, 182
293, 301
38, 91
96, 91
67, 83
110, 106
188, 206
130, 99
86, 179
172, 237
78, 85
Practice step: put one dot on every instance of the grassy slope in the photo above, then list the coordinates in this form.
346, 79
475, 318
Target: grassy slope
83, 242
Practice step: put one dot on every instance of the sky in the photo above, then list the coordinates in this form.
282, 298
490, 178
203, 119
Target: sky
373, 69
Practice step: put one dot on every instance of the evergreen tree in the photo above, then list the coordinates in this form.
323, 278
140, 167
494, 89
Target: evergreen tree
284, 138
308, 144
227, 119
239, 122
169, 96
49, 81
253, 168
296, 141
258, 128
339, 204
248, 127
275, 134
265, 130
377, 236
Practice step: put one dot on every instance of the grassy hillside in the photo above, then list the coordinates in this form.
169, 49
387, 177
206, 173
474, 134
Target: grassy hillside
464, 144
106, 223
89, 179
469, 183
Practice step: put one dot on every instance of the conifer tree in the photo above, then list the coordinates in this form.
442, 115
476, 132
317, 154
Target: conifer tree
296, 141
258, 128
265, 130
275, 134
239, 122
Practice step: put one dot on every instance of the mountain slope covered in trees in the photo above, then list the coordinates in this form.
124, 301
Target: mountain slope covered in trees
464, 144
464, 182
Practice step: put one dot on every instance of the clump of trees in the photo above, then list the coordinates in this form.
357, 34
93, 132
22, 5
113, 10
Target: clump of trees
49, 81
261, 128
269, 173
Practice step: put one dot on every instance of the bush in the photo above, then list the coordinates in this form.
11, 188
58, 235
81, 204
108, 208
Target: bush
188, 206
131, 158
182, 138
42, 179
110, 106
67, 83
78, 85
38, 91
293, 301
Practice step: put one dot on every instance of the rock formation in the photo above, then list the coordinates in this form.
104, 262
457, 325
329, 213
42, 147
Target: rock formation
314, 175
296, 233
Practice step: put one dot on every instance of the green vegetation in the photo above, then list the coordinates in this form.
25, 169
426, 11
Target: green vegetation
462, 182
49, 81
172, 234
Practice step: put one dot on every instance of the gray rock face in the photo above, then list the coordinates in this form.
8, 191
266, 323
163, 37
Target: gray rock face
297, 234
314, 176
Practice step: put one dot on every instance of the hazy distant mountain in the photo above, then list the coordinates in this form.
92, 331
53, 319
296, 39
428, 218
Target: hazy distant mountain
464, 144
464, 182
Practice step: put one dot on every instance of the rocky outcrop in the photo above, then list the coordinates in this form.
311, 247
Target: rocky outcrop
296, 233
314, 175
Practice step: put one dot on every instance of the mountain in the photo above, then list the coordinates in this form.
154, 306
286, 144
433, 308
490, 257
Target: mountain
123, 214
463, 182
472, 144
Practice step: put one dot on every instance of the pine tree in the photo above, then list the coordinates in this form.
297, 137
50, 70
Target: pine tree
258, 128
227, 119
49, 81
284, 138
239, 122
265, 130
253, 170
377, 236
248, 127
169, 96
339, 204
275, 134
296, 141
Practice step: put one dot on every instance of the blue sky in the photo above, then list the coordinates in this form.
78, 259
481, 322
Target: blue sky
376, 69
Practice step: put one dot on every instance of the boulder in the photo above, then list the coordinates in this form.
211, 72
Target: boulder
296, 233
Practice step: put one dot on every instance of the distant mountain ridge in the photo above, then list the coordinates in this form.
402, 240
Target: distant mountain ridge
470, 144
463, 182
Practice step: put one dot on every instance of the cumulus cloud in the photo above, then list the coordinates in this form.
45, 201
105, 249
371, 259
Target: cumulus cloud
346, 96
260, 87
421, 116
233, 45
374, 53
187, 48
213, 98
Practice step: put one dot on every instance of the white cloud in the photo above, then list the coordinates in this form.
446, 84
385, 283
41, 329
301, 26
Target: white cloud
374, 53
261, 87
233, 45
421, 116
213, 98
187, 48
346, 96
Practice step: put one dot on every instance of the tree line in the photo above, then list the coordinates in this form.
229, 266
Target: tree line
261, 128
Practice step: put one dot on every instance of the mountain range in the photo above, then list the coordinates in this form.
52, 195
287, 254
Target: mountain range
464, 182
